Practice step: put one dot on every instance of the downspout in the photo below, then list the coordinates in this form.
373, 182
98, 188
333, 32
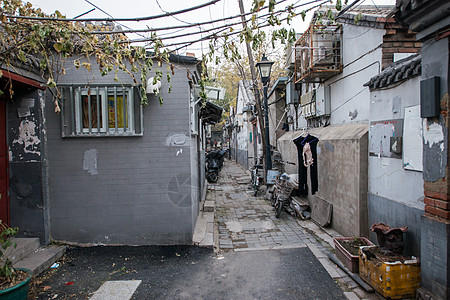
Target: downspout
45, 171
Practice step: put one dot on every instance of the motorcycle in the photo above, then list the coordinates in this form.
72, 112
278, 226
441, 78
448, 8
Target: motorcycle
213, 164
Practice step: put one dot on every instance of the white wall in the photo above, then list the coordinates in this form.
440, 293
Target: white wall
349, 98
387, 177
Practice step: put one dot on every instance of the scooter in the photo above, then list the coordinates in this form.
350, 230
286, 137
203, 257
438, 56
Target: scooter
281, 195
213, 164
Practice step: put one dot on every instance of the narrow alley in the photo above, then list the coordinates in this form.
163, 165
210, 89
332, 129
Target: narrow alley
256, 256
245, 223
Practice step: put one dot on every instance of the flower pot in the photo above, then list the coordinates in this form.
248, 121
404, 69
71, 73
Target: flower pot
397, 279
351, 261
19, 291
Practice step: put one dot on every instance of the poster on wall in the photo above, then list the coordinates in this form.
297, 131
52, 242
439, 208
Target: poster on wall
380, 134
412, 139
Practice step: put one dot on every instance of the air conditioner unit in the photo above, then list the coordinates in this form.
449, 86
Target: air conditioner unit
323, 53
307, 110
307, 97
323, 101
291, 94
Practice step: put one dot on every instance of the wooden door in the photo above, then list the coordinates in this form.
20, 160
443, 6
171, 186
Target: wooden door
4, 199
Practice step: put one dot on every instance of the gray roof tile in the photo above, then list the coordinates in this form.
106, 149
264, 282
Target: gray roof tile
397, 72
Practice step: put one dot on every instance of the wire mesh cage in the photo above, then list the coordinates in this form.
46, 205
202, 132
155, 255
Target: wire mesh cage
318, 53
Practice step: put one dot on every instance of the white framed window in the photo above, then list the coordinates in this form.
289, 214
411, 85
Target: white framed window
101, 111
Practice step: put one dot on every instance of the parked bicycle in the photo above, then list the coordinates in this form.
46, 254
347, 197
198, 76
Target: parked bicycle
257, 176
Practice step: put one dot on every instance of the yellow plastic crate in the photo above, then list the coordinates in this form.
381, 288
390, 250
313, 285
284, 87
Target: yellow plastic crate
395, 280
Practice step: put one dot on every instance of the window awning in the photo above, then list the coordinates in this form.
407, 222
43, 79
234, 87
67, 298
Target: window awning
211, 113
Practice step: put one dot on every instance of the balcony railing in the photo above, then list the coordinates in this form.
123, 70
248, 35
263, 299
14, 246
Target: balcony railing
318, 53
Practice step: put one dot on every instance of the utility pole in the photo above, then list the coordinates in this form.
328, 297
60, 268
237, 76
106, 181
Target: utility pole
255, 91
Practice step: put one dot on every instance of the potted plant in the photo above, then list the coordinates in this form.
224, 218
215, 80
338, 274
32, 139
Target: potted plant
14, 282
347, 250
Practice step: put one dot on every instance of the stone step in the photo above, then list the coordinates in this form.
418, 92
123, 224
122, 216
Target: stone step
41, 259
208, 206
24, 247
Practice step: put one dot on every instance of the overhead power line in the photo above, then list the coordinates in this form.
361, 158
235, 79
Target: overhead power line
219, 29
206, 22
215, 34
168, 14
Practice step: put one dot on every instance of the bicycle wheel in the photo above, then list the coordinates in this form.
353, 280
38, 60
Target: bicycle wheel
278, 207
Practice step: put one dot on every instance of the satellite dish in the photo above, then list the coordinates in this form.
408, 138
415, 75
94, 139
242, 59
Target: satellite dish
151, 87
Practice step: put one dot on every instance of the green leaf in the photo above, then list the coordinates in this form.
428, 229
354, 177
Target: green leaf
51, 83
43, 63
338, 5
22, 56
58, 47
272, 5
86, 65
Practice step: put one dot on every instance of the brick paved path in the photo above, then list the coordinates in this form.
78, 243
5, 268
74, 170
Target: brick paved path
248, 222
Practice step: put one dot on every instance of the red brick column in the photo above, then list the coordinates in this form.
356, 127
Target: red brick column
437, 194
437, 199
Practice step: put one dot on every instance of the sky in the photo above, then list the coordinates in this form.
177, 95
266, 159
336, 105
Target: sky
142, 8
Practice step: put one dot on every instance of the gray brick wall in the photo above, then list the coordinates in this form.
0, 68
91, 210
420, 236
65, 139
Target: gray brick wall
435, 257
141, 193
396, 214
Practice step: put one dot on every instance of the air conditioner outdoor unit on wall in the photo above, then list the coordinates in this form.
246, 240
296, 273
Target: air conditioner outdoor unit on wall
323, 101
326, 48
323, 49
291, 94
307, 97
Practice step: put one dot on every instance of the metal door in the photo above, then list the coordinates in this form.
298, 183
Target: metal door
4, 199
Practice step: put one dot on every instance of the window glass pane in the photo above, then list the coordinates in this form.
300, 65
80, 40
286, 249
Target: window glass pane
93, 111
119, 109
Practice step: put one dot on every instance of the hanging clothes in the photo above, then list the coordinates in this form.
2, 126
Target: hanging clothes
307, 156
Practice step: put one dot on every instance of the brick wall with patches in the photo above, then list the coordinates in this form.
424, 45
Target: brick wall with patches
135, 190
398, 42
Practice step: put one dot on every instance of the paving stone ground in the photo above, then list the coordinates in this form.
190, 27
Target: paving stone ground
248, 223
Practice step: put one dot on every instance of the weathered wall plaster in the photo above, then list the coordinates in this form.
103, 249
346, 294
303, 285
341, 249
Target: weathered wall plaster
25, 135
434, 150
28, 137
90, 161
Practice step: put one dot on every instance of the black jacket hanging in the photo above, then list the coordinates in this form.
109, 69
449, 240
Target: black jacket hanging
302, 170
